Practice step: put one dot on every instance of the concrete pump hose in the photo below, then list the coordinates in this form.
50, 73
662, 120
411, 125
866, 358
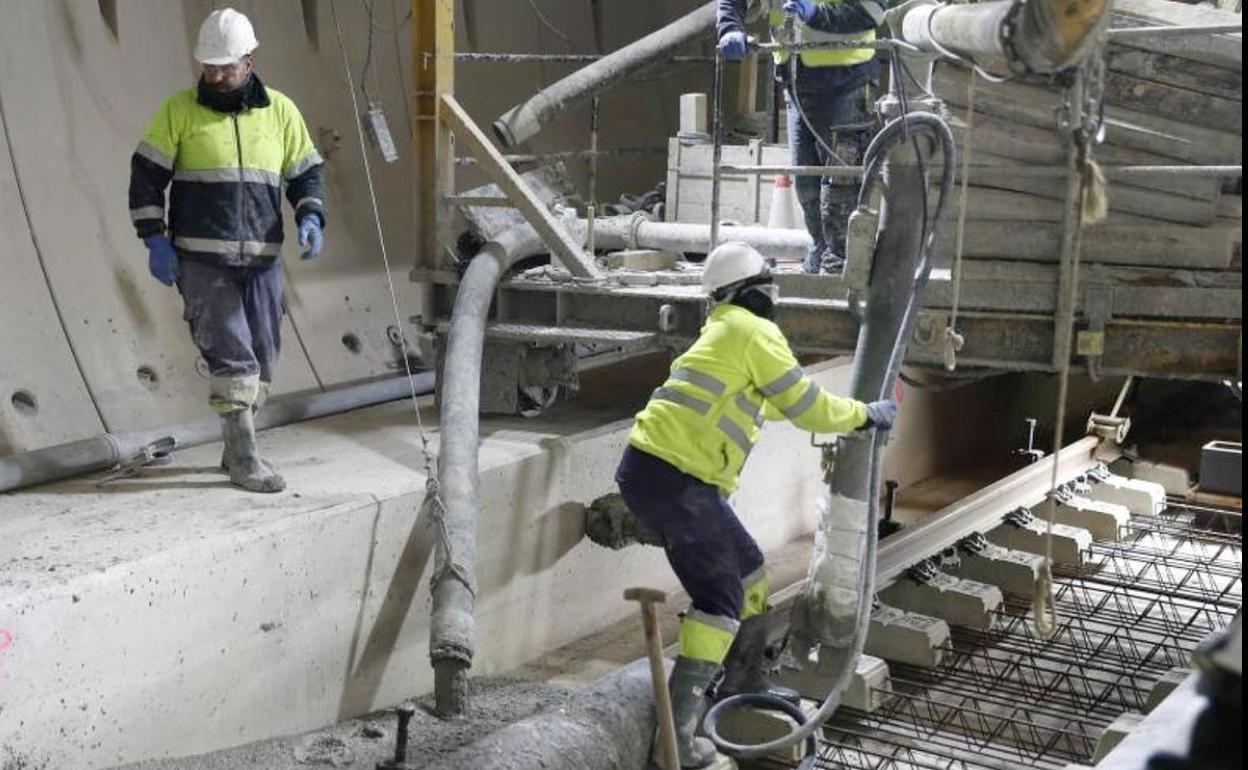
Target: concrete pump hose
888, 139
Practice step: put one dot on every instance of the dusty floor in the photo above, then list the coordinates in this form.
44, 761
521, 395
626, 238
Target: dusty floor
359, 744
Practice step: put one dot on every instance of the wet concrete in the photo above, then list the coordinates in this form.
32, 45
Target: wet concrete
359, 744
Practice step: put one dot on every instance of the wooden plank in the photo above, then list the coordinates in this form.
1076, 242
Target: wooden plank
561, 244
999, 138
1177, 103
1223, 50
1133, 244
1036, 106
1176, 72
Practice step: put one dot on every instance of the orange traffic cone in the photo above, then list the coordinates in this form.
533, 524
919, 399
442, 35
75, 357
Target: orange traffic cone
786, 212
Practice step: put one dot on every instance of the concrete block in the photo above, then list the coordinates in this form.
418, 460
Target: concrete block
756, 726
646, 260
957, 601
1069, 543
1173, 479
1118, 729
1165, 684
1014, 572
907, 637
1141, 498
1221, 468
693, 119
316, 599
867, 691
1102, 519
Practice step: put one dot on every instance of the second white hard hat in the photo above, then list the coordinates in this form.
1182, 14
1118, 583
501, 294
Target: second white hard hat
731, 263
225, 37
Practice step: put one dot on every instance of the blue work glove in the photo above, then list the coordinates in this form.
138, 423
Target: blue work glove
310, 235
881, 414
733, 46
803, 9
162, 260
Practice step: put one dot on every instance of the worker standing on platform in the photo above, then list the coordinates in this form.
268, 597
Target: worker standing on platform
829, 103
227, 146
685, 453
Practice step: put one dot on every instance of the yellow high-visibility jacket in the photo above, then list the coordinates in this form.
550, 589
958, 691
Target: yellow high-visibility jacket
839, 57
227, 172
706, 417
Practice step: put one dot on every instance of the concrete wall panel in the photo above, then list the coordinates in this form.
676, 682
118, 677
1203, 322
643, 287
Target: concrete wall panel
48, 402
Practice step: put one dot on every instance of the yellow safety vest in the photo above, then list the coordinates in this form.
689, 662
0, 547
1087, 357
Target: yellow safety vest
706, 417
837, 57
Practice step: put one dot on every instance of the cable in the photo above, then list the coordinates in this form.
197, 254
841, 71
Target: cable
541, 17
431, 478
368, 57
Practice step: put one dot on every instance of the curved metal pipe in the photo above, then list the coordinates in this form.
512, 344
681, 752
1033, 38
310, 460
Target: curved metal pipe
109, 450
523, 121
452, 628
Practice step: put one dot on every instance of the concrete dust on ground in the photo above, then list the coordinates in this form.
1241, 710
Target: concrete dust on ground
359, 744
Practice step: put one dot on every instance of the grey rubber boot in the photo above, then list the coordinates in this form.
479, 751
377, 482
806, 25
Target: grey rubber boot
246, 468
688, 684
746, 666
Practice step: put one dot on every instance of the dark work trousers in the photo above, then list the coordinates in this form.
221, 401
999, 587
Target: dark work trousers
827, 202
706, 545
235, 315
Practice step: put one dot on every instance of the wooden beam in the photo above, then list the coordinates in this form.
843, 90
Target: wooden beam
433, 173
491, 161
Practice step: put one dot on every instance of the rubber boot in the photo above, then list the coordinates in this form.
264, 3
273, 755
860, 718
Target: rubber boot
745, 667
688, 684
247, 470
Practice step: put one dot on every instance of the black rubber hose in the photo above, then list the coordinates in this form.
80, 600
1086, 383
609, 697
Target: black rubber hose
888, 139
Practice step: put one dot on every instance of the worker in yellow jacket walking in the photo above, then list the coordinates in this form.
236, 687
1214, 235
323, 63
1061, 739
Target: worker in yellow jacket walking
226, 148
685, 454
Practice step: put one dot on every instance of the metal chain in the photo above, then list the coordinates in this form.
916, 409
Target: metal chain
433, 506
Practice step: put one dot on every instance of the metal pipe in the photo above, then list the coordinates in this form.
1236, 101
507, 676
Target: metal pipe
526, 119
638, 232
1131, 33
1005, 36
452, 628
109, 450
555, 58
1112, 172
550, 157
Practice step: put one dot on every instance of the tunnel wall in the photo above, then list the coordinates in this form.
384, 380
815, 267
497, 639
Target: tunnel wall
94, 343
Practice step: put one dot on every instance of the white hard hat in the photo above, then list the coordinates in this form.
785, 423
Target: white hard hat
225, 37
730, 263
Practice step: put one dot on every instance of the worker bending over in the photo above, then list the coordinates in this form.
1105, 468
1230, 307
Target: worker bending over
685, 454
832, 88
227, 146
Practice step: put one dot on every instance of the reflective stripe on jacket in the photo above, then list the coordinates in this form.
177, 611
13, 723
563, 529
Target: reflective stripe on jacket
837, 57
227, 172
706, 417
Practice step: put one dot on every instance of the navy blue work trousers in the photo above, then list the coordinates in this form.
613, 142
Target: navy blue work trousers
844, 122
707, 546
235, 315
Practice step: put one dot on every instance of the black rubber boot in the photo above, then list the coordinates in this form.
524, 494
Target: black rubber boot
246, 468
746, 667
688, 684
